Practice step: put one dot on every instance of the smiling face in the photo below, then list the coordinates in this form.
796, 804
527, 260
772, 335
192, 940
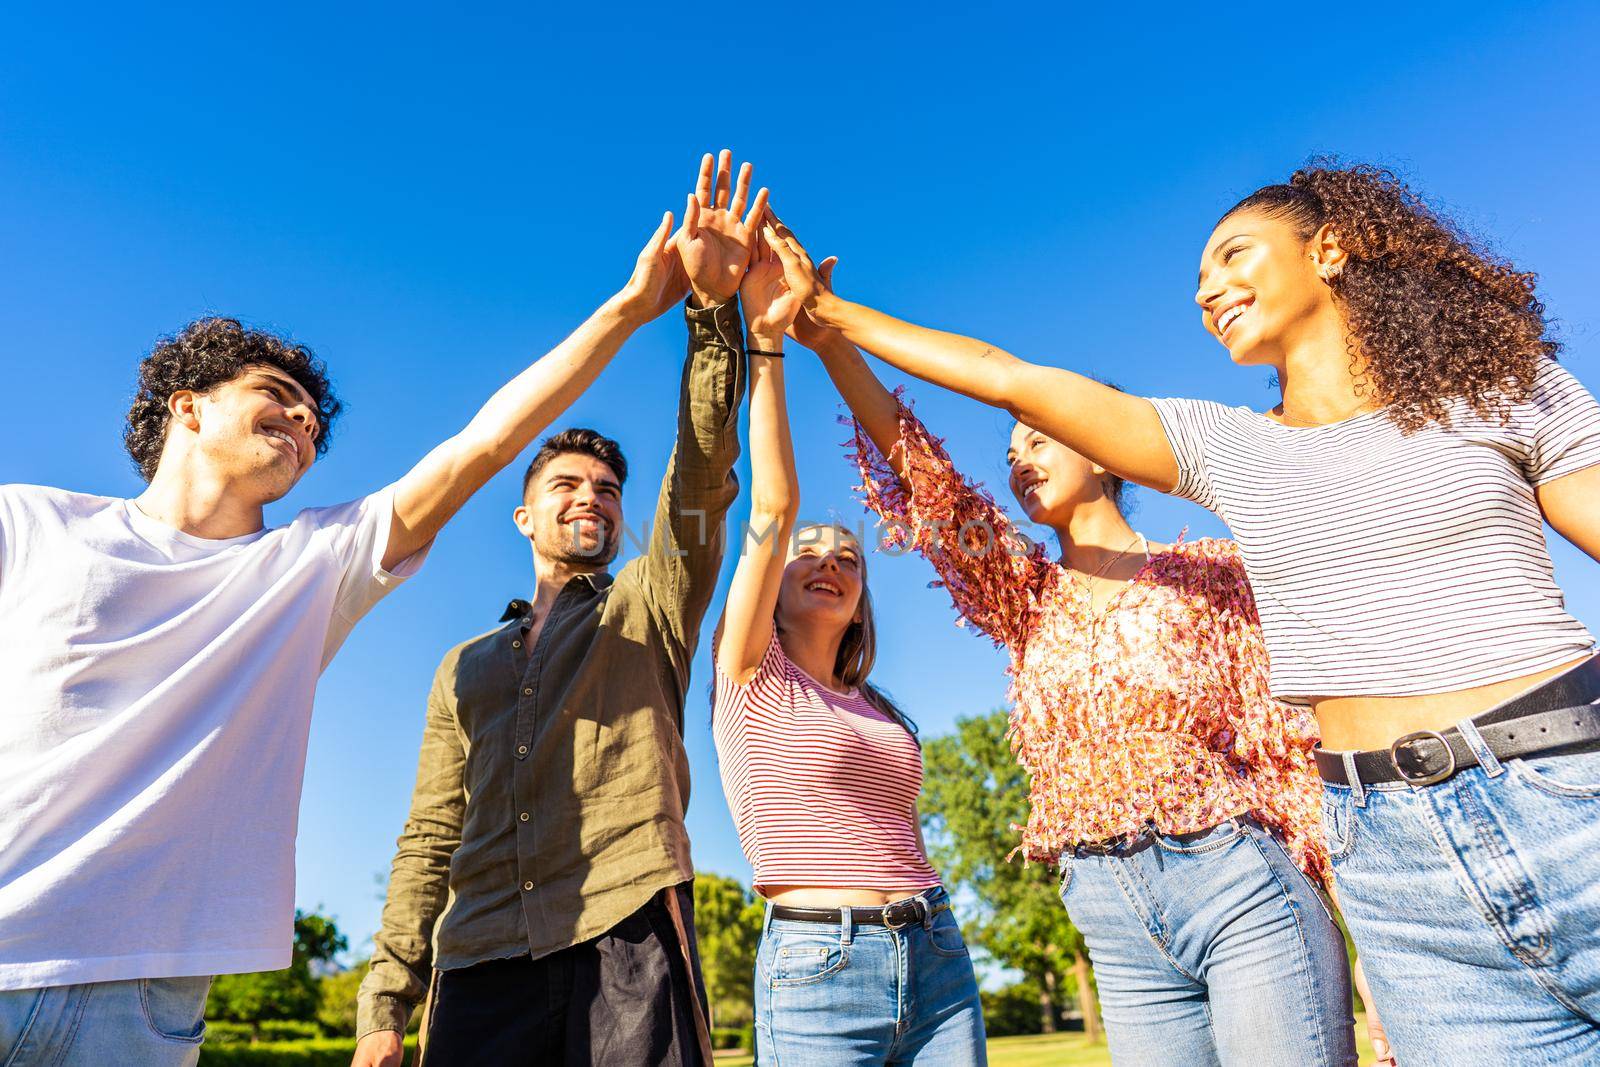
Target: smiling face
572, 511
1049, 479
1260, 289
822, 581
258, 431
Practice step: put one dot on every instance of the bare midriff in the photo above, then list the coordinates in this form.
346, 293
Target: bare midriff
805, 896
1360, 723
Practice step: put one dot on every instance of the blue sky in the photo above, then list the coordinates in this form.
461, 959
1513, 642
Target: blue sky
431, 201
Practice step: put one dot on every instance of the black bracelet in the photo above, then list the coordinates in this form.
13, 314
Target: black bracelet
760, 352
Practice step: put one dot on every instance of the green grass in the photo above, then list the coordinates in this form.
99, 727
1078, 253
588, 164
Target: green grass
1055, 1050
1058, 1050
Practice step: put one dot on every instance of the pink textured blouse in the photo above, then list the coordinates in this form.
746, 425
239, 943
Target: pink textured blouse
1155, 709
823, 786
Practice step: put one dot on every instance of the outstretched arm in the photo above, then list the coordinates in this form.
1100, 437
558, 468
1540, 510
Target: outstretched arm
437, 487
746, 629
680, 569
1122, 433
874, 407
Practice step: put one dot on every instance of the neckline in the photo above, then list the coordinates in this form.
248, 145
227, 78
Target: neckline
153, 529
854, 692
1082, 581
1348, 420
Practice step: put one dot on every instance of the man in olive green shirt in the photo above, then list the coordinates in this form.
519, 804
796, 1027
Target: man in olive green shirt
541, 884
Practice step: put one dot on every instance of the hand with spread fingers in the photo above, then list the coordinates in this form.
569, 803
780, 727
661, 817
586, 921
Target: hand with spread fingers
658, 280
718, 233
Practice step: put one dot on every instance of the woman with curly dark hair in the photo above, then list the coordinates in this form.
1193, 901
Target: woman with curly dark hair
1389, 513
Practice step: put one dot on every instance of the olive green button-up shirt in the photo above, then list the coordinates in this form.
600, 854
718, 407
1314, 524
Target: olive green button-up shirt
553, 780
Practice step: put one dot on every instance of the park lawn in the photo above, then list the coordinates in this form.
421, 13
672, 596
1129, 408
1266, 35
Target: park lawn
1059, 1050
1053, 1050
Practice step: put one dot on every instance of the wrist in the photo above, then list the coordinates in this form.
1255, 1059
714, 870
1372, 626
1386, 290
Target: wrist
827, 310
627, 309
708, 298
767, 339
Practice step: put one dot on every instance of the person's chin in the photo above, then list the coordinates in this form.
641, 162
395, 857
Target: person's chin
584, 550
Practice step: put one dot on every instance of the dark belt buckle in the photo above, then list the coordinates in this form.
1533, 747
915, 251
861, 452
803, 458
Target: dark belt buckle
1426, 777
902, 914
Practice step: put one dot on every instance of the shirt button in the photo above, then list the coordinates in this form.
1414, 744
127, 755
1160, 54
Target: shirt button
523, 816
527, 692
526, 886
516, 644
522, 750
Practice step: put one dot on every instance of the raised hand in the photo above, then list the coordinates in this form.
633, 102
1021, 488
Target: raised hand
806, 329
718, 234
658, 280
769, 307
805, 279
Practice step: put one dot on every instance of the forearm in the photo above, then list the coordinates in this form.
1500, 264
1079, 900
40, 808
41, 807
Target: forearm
1120, 432
710, 392
402, 951
962, 364
774, 485
419, 877
872, 404
437, 487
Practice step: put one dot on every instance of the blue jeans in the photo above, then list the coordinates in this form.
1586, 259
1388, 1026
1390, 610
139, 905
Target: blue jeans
845, 995
1211, 948
145, 1022
1475, 904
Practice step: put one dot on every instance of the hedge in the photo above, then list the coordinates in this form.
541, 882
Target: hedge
324, 1052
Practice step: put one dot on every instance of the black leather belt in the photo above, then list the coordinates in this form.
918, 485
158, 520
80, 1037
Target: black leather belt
1556, 717
894, 916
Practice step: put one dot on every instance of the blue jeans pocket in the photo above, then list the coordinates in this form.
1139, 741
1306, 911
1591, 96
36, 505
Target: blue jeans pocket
1575, 777
175, 1008
802, 959
1336, 821
945, 937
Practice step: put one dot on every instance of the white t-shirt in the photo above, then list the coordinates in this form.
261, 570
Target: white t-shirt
155, 699
1387, 564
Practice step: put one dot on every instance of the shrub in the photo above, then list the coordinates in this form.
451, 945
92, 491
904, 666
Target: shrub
324, 1052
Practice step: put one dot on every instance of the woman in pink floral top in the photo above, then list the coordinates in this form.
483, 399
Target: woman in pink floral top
1179, 799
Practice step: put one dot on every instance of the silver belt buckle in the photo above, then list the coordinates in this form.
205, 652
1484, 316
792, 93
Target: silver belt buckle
1418, 781
904, 907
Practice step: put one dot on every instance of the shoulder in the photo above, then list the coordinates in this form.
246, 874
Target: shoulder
774, 666
473, 649
343, 514
47, 498
1212, 565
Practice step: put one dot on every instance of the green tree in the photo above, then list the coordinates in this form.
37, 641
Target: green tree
291, 993
975, 792
727, 922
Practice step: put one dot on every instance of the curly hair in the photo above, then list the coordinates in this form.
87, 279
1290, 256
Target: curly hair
580, 441
208, 353
1432, 315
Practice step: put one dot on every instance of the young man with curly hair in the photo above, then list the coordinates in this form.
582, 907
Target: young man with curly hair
159, 657
541, 895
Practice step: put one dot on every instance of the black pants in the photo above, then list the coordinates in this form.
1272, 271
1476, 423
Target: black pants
623, 999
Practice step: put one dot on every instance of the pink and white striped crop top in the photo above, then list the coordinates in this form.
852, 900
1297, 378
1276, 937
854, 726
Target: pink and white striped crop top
823, 787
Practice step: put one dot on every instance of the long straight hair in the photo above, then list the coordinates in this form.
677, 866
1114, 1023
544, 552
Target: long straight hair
858, 651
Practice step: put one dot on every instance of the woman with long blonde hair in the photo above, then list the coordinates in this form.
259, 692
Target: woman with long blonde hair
861, 961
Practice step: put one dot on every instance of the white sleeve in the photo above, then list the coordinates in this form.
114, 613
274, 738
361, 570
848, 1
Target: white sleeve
357, 534
1565, 425
8, 534
1189, 425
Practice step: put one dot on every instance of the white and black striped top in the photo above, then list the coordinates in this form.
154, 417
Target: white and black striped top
1388, 565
